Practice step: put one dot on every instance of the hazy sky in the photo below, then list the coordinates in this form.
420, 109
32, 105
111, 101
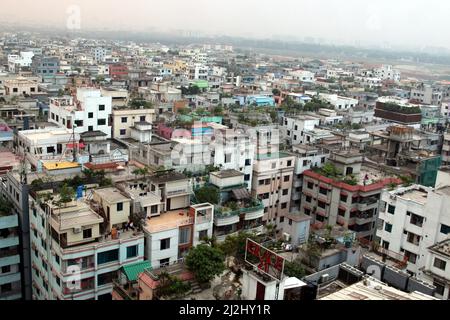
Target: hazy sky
398, 22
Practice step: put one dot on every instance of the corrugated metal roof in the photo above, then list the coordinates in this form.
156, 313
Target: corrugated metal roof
132, 271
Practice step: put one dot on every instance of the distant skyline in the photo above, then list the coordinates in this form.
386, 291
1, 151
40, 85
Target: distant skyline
384, 23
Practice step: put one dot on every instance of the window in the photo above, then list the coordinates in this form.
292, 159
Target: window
164, 262
120, 206
440, 264
108, 256
90, 115
440, 287
58, 281
87, 233
323, 191
416, 220
165, 244
281, 219
79, 123
203, 234
290, 222
289, 163
310, 185
57, 259
105, 278
142, 118
228, 158
101, 107
90, 128
320, 218
284, 205
307, 212
391, 209
445, 229
124, 119
7, 287
388, 227
6, 269
248, 162
247, 177
321, 204
286, 178
101, 122
308, 199
123, 132
274, 165
132, 251
285, 192
185, 235
154, 209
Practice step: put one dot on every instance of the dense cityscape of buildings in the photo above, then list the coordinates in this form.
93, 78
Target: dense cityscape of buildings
118, 159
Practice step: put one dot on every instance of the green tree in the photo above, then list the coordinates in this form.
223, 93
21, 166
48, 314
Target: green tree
294, 269
234, 245
218, 111
205, 262
207, 194
183, 111
66, 195
276, 92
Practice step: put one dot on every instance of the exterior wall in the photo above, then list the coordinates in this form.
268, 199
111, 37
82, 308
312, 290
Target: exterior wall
132, 116
10, 259
153, 249
274, 203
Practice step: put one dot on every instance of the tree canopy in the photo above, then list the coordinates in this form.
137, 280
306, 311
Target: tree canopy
205, 262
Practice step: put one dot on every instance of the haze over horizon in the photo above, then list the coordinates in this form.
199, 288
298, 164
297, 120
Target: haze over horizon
400, 23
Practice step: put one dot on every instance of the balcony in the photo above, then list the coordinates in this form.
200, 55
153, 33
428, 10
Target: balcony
222, 237
178, 191
10, 241
8, 221
364, 218
367, 204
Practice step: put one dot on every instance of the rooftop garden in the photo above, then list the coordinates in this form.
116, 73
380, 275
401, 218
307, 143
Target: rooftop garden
291, 106
393, 107
329, 170
234, 207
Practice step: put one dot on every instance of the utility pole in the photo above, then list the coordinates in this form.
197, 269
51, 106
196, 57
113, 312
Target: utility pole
74, 150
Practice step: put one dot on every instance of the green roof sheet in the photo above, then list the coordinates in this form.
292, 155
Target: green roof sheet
133, 270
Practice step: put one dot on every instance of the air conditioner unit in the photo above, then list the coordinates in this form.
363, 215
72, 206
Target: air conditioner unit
324, 278
286, 237
77, 230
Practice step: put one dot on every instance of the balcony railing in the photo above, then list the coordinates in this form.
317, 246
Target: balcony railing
220, 211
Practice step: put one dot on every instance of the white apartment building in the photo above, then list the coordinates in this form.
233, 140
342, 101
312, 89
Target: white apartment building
78, 247
307, 157
293, 128
387, 72
100, 53
233, 149
198, 71
338, 102
16, 62
302, 75
89, 111
412, 221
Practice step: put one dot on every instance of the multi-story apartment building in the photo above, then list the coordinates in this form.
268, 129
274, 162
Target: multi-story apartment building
100, 53
20, 86
272, 184
414, 226
233, 149
387, 72
446, 150
172, 225
350, 199
293, 128
123, 120
338, 102
17, 62
78, 246
10, 273
307, 157
45, 67
237, 209
89, 111
426, 94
